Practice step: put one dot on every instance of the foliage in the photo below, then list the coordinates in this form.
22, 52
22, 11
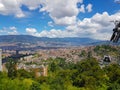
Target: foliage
84, 75
21, 73
106, 49
35, 86
83, 53
88, 74
11, 66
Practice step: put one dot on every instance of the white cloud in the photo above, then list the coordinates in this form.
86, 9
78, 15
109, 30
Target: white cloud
52, 33
65, 20
58, 10
32, 4
50, 23
13, 28
117, 1
64, 12
97, 27
80, 1
89, 7
31, 31
11, 7
9, 30
82, 9
61, 11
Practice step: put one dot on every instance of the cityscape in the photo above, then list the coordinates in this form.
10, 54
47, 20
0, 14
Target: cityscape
59, 45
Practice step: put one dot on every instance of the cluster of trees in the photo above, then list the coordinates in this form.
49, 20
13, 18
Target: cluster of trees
106, 49
83, 75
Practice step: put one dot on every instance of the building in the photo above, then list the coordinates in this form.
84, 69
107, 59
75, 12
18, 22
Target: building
0, 59
41, 71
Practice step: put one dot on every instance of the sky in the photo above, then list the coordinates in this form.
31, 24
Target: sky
59, 18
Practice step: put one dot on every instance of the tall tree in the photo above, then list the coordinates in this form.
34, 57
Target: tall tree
12, 69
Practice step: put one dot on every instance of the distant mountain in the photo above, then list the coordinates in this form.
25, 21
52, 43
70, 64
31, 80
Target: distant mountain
75, 41
18, 38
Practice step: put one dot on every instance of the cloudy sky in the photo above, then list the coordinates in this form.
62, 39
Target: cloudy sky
59, 18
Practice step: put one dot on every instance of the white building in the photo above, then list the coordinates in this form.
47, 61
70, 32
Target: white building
0, 59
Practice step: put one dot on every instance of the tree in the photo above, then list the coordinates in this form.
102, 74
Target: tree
113, 72
35, 86
114, 86
24, 74
88, 74
83, 53
12, 68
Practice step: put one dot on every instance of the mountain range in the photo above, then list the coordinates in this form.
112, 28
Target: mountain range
11, 43
70, 41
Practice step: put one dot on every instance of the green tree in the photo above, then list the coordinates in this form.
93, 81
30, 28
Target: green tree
114, 86
113, 72
88, 74
12, 69
35, 86
57, 83
21, 73
83, 53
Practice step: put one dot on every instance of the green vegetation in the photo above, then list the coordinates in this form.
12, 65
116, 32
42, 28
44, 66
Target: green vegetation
11, 67
106, 49
83, 75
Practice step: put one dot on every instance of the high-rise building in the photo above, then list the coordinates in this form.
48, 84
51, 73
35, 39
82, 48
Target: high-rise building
0, 59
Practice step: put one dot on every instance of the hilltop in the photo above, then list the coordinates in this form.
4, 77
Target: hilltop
68, 41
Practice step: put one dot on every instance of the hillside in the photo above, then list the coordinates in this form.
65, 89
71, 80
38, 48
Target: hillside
75, 41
